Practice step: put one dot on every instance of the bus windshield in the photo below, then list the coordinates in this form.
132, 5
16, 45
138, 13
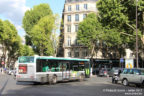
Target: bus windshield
26, 59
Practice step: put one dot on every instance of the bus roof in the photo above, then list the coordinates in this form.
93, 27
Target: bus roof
57, 58
61, 58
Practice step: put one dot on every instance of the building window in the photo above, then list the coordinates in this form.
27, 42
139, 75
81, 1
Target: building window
85, 53
76, 42
76, 17
69, 41
69, 8
76, 28
69, 54
77, 7
69, 0
76, 54
69, 18
69, 28
84, 16
85, 6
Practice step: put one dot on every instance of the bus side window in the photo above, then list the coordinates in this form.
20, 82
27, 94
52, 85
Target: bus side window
45, 66
81, 66
60, 66
75, 66
68, 66
64, 66
71, 65
53, 65
56, 66
38, 66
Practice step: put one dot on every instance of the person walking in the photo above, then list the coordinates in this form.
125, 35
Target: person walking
1, 71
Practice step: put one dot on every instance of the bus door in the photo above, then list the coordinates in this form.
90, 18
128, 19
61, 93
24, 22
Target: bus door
75, 70
87, 69
66, 71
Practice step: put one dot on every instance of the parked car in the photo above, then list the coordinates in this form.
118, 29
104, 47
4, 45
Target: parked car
115, 71
103, 72
135, 76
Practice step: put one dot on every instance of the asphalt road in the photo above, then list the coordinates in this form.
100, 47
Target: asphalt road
94, 86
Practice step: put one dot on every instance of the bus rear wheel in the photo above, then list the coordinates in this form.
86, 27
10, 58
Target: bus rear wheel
54, 80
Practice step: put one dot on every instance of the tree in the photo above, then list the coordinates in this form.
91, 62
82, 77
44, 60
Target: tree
11, 44
119, 15
13, 51
54, 35
41, 36
90, 32
96, 37
32, 17
39, 23
7, 35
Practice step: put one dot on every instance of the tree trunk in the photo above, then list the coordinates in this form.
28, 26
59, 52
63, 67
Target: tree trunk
41, 50
92, 54
4, 55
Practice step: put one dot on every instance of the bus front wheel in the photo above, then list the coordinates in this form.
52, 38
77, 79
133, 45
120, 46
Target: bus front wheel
81, 78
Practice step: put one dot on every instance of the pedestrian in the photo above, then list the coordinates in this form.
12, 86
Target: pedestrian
1, 70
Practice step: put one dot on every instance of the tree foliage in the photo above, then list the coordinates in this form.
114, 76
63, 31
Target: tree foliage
39, 22
11, 43
115, 24
33, 15
90, 32
121, 15
8, 37
41, 35
25, 50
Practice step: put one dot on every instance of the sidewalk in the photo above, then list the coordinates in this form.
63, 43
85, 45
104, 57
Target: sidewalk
3, 80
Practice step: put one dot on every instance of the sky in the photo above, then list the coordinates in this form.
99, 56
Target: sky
13, 10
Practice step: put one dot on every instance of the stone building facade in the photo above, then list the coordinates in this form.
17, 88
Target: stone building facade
74, 12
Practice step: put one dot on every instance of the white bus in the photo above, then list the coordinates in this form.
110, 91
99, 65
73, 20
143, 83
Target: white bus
51, 69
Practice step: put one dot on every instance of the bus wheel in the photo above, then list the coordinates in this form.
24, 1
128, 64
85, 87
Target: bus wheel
54, 80
42, 80
81, 78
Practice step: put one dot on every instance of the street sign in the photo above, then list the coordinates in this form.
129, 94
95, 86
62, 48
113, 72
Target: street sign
121, 60
2, 62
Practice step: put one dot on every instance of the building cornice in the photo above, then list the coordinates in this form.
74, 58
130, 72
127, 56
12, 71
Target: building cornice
78, 12
78, 1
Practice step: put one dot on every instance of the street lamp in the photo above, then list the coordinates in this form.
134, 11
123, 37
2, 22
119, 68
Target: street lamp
137, 64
